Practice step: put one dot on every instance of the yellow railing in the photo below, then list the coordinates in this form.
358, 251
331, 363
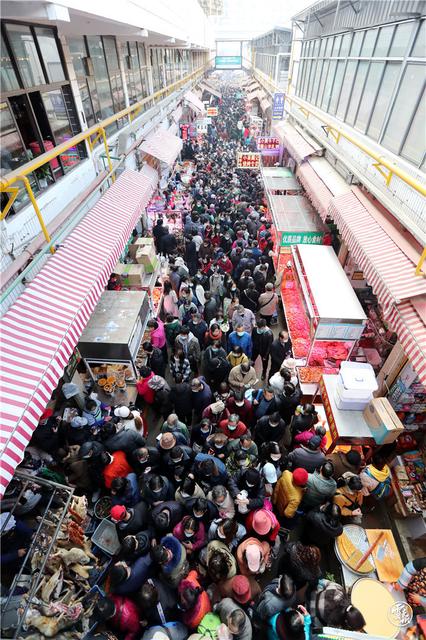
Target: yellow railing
384, 166
92, 135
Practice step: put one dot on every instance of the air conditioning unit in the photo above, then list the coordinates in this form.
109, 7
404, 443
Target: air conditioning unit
88, 66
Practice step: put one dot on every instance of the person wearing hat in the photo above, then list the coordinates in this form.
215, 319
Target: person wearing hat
308, 456
242, 378
77, 431
167, 441
263, 524
349, 461
130, 520
248, 490
215, 413
289, 491
232, 427
132, 420
201, 396
242, 589
253, 556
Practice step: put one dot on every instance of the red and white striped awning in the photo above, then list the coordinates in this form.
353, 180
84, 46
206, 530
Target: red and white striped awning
387, 269
317, 192
411, 331
195, 102
151, 174
162, 145
295, 143
41, 329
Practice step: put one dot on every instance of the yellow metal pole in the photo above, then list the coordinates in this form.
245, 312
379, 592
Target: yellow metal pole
418, 271
37, 210
107, 153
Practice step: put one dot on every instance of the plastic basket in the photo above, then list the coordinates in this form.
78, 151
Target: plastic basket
105, 537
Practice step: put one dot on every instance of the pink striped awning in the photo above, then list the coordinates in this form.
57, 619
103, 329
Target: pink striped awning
41, 329
296, 145
317, 192
411, 331
162, 145
151, 175
387, 269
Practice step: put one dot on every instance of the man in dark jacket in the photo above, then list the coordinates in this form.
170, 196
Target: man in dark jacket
202, 509
130, 520
166, 516
344, 462
154, 359
272, 428
250, 481
262, 338
158, 231
126, 578
201, 396
157, 601
198, 327
125, 440
308, 457
168, 243
265, 402
210, 307
278, 595
281, 349
181, 399
209, 471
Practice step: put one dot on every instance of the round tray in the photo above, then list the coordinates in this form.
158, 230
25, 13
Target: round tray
358, 537
375, 602
103, 504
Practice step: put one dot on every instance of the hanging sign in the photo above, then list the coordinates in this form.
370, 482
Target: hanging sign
267, 143
184, 131
278, 106
248, 160
212, 111
304, 237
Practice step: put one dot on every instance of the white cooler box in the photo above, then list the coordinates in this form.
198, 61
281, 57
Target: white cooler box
355, 386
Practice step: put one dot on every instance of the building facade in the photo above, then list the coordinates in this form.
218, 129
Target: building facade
271, 54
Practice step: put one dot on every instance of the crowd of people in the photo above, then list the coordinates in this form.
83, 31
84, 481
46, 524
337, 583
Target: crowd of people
224, 519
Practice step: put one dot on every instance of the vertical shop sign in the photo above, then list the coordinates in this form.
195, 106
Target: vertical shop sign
278, 106
184, 131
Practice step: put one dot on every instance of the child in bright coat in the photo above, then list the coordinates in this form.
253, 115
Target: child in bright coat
190, 588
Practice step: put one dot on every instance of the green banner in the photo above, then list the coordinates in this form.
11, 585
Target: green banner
301, 237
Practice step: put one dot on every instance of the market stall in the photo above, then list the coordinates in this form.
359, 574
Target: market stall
324, 326
110, 343
278, 180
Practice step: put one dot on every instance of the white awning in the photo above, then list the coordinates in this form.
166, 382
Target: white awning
162, 145
194, 102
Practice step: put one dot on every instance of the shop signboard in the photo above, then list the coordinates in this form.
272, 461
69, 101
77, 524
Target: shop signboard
212, 111
228, 62
268, 143
248, 160
192, 130
328, 411
302, 237
202, 126
278, 106
184, 131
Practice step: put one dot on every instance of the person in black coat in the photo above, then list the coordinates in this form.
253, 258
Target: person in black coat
191, 256
198, 328
125, 440
132, 520
262, 339
322, 525
145, 459
289, 401
281, 348
179, 457
166, 516
156, 489
49, 435
156, 601
302, 563
181, 399
158, 231
272, 428
217, 371
251, 481
168, 242
202, 509
154, 359
210, 307
249, 297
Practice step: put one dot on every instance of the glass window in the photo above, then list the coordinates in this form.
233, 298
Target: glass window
114, 72
301, 77
9, 81
336, 46
329, 47
383, 98
12, 151
368, 97
383, 42
322, 47
307, 78
368, 44
328, 85
77, 48
322, 82
404, 105
419, 49
59, 122
413, 148
50, 54
316, 47
346, 43
337, 85
26, 56
356, 92
401, 40
101, 75
356, 44
142, 55
346, 88
313, 84
87, 103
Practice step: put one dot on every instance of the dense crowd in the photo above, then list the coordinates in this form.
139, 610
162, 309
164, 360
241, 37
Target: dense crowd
224, 520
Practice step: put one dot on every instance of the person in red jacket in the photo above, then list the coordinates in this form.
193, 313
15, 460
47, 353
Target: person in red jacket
122, 614
233, 428
144, 390
116, 466
193, 600
225, 264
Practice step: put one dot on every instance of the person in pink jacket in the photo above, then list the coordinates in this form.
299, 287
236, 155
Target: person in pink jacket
157, 333
191, 533
122, 614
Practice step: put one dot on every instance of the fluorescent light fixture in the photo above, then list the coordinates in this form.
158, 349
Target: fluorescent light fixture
143, 33
57, 12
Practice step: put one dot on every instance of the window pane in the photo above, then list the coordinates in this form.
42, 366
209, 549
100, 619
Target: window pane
403, 106
346, 42
329, 47
316, 47
78, 52
401, 40
101, 76
356, 92
26, 55
413, 148
12, 151
49, 51
328, 85
336, 86
336, 46
322, 82
322, 47
419, 49
383, 98
346, 88
356, 43
114, 72
368, 45
313, 83
142, 55
369, 95
9, 81
383, 42
87, 103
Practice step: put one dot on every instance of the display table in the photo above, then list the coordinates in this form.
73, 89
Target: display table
346, 427
119, 397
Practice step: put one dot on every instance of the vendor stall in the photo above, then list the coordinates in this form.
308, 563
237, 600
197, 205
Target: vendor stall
110, 343
279, 180
324, 326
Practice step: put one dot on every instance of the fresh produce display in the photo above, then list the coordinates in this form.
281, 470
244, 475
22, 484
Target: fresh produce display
157, 293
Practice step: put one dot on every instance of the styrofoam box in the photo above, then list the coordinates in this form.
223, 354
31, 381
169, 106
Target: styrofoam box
355, 386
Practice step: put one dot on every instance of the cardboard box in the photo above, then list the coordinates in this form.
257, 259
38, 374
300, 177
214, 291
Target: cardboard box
146, 256
140, 242
132, 275
383, 421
